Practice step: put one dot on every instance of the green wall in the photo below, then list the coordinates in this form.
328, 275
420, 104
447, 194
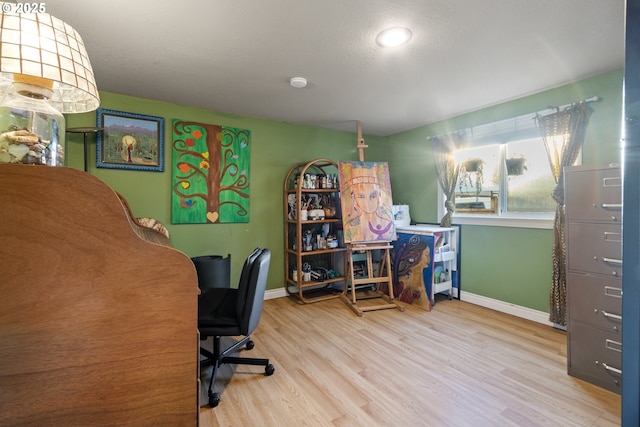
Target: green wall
276, 146
508, 264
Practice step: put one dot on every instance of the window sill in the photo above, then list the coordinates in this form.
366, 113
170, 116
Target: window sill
544, 221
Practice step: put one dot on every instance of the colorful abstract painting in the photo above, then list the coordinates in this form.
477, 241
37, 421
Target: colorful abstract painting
365, 193
210, 173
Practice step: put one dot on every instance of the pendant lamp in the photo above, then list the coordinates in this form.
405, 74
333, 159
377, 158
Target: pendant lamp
44, 72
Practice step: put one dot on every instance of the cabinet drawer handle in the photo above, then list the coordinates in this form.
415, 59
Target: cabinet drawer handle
612, 205
611, 315
612, 369
612, 260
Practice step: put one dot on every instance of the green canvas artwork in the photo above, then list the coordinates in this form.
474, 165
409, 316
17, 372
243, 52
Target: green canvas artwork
210, 173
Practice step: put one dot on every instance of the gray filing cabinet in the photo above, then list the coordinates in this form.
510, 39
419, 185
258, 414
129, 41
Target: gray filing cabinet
593, 231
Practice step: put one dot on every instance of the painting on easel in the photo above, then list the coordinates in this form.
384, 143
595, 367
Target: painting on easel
365, 193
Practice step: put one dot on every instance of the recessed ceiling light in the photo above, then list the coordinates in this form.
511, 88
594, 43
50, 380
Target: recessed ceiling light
393, 37
298, 82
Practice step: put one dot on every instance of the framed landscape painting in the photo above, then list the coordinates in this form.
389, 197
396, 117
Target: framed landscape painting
130, 141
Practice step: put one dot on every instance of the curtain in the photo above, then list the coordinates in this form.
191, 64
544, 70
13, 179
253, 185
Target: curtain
443, 150
563, 133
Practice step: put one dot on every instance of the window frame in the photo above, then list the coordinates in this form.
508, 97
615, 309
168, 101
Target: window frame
501, 133
518, 220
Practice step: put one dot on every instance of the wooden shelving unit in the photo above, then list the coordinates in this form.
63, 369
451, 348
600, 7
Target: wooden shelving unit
327, 264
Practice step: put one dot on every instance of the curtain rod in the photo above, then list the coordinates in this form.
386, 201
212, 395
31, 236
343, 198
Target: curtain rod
549, 108
523, 117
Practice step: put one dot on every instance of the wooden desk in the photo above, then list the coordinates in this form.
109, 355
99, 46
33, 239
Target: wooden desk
98, 324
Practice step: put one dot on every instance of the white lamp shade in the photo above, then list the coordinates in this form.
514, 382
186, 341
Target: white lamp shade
42, 46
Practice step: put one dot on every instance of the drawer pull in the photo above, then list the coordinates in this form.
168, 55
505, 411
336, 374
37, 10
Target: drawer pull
612, 205
610, 291
612, 260
612, 369
611, 315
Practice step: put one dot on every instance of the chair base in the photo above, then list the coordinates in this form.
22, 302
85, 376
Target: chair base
218, 358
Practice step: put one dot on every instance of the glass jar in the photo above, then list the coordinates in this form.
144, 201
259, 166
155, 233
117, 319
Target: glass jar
31, 130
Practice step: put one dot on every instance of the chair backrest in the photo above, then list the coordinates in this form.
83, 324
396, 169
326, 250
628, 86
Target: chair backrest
254, 297
214, 271
245, 275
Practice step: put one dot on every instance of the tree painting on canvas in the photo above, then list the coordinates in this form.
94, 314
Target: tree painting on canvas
210, 174
367, 205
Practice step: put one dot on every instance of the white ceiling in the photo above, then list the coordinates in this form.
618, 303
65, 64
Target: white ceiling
237, 56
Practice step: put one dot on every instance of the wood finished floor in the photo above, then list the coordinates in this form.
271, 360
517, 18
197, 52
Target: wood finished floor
458, 365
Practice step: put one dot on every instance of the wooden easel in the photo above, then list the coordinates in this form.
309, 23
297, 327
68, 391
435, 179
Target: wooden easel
361, 145
384, 269
384, 276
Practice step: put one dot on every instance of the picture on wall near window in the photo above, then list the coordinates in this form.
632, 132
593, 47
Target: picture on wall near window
210, 173
129, 141
367, 205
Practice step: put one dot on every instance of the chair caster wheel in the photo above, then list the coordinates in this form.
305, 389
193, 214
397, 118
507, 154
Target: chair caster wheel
214, 399
269, 369
250, 344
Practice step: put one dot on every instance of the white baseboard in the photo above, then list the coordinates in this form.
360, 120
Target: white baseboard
494, 304
275, 293
506, 307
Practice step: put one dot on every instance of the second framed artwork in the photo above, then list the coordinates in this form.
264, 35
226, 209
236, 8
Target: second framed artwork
130, 141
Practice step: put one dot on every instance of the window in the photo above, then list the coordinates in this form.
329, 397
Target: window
478, 187
518, 171
505, 178
529, 179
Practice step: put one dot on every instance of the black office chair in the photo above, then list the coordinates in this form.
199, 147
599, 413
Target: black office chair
229, 312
